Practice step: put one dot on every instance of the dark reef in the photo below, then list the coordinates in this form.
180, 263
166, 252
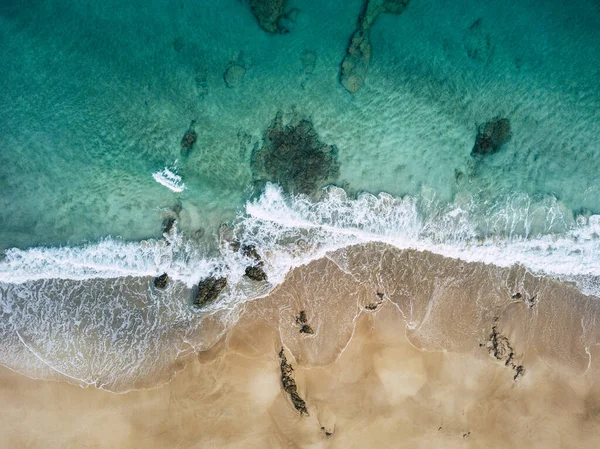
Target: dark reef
293, 156
491, 136
269, 14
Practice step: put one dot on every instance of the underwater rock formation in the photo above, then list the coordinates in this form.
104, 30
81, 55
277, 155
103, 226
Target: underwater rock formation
293, 156
235, 71
491, 136
189, 138
269, 14
208, 290
355, 65
250, 251
477, 43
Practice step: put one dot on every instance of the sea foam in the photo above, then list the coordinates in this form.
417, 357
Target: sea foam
293, 230
169, 179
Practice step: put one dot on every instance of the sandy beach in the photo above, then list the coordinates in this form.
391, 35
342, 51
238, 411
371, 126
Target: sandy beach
402, 350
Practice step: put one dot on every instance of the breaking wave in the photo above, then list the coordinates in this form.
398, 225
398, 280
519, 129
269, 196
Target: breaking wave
90, 314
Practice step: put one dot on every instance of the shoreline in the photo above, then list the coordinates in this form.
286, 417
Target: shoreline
373, 370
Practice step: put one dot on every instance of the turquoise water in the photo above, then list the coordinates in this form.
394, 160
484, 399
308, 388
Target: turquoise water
96, 97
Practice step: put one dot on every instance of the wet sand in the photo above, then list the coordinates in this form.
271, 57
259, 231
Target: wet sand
407, 350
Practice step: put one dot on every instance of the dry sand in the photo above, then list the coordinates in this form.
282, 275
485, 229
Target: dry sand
408, 350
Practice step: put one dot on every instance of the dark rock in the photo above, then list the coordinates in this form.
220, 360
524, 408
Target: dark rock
209, 289
301, 318
269, 14
161, 281
256, 273
491, 136
250, 251
293, 156
189, 138
168, 225
306, 329
289, 384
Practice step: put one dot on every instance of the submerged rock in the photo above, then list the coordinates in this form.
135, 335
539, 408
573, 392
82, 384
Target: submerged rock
478, 43
234, 74
256, 273
208, 290
269, 14
491, 136
161, 281
293, 156
355, 65
189, 138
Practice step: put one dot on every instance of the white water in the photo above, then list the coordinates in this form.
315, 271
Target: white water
169, 179
291, 231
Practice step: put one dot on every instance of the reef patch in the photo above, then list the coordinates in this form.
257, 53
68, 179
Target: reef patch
293, 156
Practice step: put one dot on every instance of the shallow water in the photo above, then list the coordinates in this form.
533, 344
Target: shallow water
96, 99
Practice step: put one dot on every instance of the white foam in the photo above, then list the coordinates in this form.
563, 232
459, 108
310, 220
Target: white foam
169, 179
457, 230
293, 230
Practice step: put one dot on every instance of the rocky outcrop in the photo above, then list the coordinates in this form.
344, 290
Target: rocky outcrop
256, 272
499, 347
161, 281
269, 14
302, 320
491, 136
208, 290
168, 225
355, 65
293, 156
289, 384
235, 72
